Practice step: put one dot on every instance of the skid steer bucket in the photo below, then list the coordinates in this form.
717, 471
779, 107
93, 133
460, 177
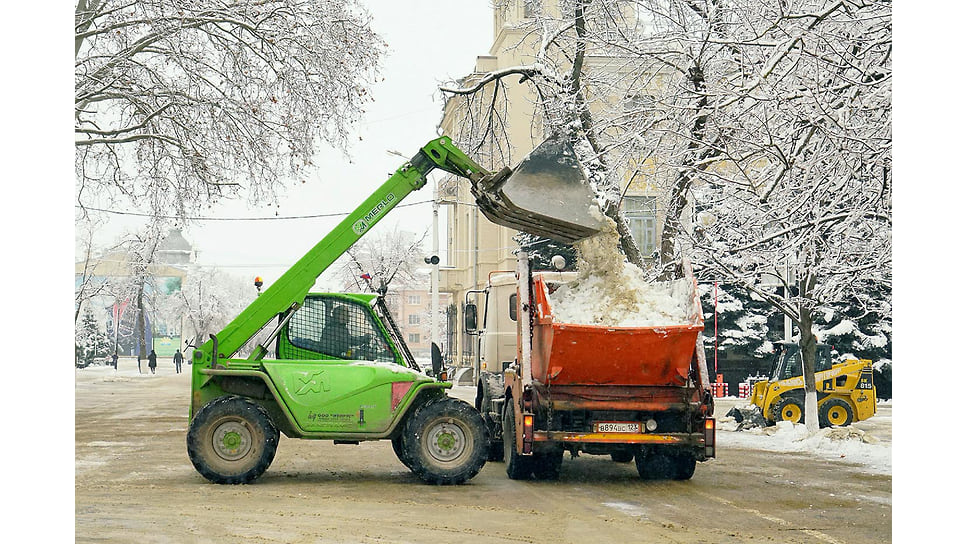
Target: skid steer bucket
547, 194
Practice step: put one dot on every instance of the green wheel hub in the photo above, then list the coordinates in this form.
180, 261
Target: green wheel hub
232, 440
447, 441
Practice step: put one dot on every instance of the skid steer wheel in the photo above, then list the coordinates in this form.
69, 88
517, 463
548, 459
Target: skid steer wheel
445, 441
788, 409
835, 412
655, 465
518, 467
232, 440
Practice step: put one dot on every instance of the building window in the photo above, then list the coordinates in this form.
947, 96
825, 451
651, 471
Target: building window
413, 338
413, 319
640, 212
413, 299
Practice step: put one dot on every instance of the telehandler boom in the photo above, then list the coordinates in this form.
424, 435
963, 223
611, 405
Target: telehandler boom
341, 370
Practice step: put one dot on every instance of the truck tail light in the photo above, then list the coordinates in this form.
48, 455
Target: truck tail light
398, 390
528, 433
709, 434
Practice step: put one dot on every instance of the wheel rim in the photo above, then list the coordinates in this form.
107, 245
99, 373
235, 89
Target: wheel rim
232, 440
791, 412
446, 442
837, 415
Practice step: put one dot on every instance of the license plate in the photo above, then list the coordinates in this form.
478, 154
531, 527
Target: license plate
614, 427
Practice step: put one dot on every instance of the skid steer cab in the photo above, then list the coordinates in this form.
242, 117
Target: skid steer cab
341, 373
845, 391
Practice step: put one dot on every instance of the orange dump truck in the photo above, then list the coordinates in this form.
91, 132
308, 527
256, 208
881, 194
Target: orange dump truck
632, 392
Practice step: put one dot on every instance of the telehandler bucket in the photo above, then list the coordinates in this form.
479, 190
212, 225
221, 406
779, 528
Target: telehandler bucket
547, 194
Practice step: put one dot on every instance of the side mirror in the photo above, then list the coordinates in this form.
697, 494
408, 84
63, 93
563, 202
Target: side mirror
470, 318
436, 360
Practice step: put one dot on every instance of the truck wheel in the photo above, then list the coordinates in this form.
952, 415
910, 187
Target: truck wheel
547, 465
652, 465
788, 409
835, 412
623, 456
232, 440
445, 441
685, 466
518, 467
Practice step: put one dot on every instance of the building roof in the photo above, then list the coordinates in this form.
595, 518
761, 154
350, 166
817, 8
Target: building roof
175, 242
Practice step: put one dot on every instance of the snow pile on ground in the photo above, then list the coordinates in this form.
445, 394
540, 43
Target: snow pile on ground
612, 292
842, 444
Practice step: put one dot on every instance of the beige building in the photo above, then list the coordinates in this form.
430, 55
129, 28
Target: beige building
412, 313
475, 246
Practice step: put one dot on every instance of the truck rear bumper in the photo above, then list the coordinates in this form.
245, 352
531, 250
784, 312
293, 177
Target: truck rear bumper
620, 438
704, 441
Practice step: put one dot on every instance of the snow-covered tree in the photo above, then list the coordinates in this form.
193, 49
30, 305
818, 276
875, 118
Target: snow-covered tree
140, 287
179, 103
801, 191
542, 250
208, 300
741, 322
90, 340
389, 258
87, 285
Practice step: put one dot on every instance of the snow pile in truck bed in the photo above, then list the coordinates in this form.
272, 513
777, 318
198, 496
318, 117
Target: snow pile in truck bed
612, 292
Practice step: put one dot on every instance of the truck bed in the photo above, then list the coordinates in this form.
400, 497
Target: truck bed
572, 354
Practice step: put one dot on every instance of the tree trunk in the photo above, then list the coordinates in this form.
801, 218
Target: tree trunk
140, 330
678, 197
808, 355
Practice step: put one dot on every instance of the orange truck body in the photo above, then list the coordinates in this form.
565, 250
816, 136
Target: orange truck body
624, 391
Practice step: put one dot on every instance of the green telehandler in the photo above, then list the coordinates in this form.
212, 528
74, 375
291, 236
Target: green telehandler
333, 366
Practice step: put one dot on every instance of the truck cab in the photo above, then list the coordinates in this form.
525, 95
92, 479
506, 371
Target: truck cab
498, 345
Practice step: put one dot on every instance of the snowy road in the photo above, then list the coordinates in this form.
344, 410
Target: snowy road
134, 482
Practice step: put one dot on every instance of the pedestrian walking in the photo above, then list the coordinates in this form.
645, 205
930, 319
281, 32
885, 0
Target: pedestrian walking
177, 359
114, 360
139, 362
152, 361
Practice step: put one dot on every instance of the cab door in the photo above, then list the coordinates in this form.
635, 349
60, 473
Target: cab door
336, 371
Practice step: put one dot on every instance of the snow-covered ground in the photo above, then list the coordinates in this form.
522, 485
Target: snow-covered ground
864, 446
866, 443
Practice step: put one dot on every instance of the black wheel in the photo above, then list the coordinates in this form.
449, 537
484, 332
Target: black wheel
652, 465
623, 456
547, 465
664, 465
518, 467
232, 440
445, 441
835, 412
685, 466
400, 451
788, 409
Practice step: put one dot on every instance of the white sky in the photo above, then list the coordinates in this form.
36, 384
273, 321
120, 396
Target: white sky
428, 44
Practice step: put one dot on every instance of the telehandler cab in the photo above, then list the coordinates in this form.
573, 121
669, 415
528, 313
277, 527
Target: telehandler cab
334, 366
